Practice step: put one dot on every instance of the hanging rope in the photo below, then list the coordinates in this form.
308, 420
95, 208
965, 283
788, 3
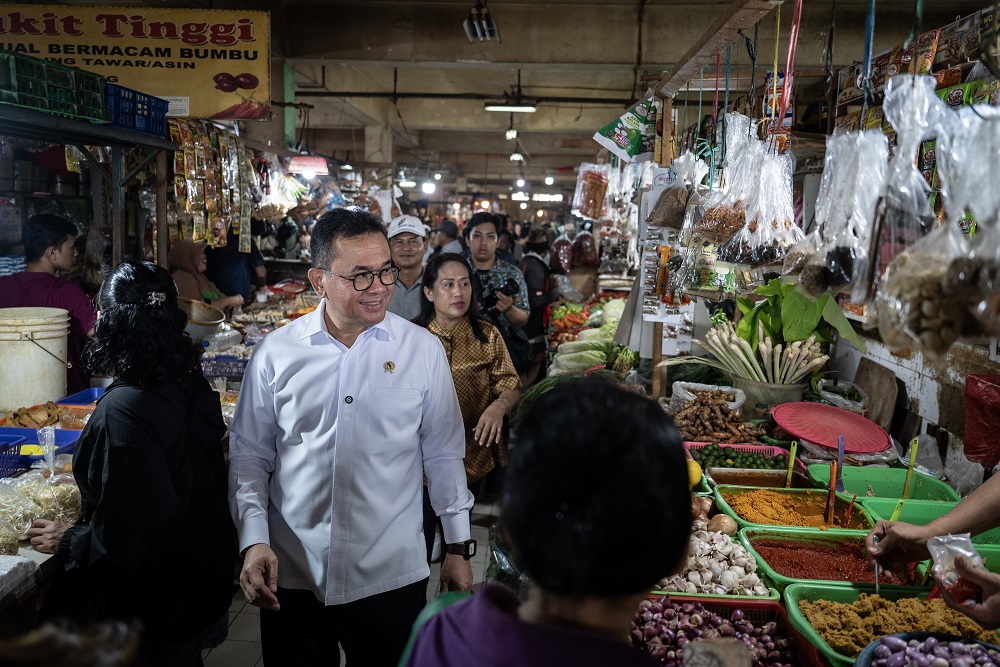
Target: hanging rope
701, 89
918, 21
725, 105
831, 84
715, 105
866, 82
793, 41
774, 69
752, 98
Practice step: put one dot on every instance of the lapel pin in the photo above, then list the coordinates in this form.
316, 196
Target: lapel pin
389, 367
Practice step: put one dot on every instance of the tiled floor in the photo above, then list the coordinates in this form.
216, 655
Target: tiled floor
242, 646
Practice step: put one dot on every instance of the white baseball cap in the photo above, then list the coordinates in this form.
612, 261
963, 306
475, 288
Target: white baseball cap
406, 223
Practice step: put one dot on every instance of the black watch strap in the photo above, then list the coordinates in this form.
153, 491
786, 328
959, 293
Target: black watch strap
465, 549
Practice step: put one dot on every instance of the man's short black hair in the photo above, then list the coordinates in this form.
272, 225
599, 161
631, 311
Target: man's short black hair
597, 506
44, 231
481, 218
340, 223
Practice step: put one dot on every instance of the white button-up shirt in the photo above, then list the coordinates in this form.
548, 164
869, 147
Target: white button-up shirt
328, 449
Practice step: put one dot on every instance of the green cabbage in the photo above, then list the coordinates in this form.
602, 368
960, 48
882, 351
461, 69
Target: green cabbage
580, 361
584, 345
595, 334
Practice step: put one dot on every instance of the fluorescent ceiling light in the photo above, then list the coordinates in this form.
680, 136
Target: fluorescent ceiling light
406, 183
347, 167
428, 188
521, 106
543, 196
549, 180
520, 196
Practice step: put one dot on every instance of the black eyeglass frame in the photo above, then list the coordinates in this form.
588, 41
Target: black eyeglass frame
370, 277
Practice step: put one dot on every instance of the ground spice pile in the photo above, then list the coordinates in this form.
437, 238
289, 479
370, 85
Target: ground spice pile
769, 507
848, 628
835, 561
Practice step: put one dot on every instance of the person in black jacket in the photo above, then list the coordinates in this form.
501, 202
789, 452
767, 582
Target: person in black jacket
156, 542
541, 293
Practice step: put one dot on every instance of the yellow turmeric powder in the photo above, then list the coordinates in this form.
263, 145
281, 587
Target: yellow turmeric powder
764, 506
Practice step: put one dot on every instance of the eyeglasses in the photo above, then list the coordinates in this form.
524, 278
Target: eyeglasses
364, 280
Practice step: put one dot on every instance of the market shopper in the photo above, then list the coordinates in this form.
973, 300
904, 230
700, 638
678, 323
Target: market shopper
446, 237
188, 263
49, 251
151, 474
499, 286
899, 542
570, 532
488, 386
236, 272
341, 414
406, 246
541, 294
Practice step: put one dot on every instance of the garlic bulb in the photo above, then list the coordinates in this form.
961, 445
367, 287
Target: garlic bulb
716, 565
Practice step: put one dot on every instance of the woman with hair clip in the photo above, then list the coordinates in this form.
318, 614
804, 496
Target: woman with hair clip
487, 384
152, 477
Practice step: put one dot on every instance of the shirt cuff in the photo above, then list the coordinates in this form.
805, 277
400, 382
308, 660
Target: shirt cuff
254, 531
456, 527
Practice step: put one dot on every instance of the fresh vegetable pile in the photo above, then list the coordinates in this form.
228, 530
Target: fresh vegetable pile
663, 628
716, 565
708, 418
931, 652
716, 456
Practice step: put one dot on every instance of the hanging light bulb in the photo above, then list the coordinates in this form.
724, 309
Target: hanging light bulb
428, 188
456, 206
523, 206
520, 182
549, 180
484, 204
516, 157
511, 134
437, 176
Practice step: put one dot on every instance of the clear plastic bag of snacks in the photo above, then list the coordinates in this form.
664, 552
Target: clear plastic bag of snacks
944, 549
591, 190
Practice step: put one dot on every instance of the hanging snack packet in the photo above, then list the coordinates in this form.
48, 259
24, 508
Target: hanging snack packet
944, 549
725, 210
632, 135
589, 200
585, 251
561, 259
671, 205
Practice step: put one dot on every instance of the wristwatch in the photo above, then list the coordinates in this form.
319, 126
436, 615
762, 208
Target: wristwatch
465, 549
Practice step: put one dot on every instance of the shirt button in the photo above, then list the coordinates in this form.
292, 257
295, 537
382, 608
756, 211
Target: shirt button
349, 399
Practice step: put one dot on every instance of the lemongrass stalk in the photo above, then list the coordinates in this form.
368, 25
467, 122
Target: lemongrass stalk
814, 365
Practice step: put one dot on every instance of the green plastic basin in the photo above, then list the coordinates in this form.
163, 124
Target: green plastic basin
861, 520
922, 512
869, 481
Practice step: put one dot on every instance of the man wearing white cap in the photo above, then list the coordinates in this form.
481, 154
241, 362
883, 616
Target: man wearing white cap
406, 246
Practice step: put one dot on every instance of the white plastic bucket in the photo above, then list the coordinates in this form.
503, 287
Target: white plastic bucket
32, 356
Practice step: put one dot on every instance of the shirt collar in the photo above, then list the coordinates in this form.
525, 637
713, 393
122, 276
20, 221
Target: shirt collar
460, 327
316, 324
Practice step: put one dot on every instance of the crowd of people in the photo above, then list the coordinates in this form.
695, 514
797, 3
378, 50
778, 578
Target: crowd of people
359, 433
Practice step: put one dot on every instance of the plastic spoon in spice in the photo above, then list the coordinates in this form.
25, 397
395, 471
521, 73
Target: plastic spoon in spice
791, 463
841, 442
850, 507
906, 484
831, 498
878, 573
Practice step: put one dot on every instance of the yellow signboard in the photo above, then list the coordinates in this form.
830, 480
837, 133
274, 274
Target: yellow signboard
208, 63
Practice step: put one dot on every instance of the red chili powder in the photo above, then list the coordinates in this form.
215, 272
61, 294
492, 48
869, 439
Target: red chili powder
833, 561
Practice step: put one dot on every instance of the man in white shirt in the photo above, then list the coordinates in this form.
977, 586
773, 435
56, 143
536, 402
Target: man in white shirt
406, 243
341, 414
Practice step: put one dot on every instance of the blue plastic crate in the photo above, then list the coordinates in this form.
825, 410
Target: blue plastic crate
85, 397
65, 441
10, 454
136, 111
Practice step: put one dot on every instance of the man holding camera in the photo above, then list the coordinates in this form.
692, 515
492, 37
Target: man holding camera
502, 291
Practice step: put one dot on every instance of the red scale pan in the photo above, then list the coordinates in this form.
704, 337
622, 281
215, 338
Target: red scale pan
821, 424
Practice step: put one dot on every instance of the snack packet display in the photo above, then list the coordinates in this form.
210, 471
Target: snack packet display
725, 210
589, 200
944, 549
631, 136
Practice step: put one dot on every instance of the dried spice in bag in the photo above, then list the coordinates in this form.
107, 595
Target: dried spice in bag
671, 205
585, 252
944, 550
591, 190
561, 259
725, 210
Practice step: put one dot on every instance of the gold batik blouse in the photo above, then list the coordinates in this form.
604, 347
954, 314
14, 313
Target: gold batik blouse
482, 371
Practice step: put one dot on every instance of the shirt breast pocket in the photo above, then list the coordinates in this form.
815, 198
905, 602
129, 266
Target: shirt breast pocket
394, 420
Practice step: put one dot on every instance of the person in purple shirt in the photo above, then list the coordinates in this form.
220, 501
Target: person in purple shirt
597, 511
49, 249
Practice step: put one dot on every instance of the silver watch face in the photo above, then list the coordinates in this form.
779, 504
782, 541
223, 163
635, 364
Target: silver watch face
471, 549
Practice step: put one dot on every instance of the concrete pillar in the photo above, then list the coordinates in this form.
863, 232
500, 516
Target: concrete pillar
378, 143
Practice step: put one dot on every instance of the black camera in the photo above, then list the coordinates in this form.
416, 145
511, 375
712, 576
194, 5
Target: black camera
510, 288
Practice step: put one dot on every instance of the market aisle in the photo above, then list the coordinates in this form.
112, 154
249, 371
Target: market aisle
242, 646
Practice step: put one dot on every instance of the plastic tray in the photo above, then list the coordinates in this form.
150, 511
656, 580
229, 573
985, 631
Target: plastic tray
85, 397
825, 537
922, 512
866, 656
753, 477
840, 507
773, 595
10, 454
136, 111
846, 594
759, 611
821, 423
767, 450
869, 481
47, 86
65, 440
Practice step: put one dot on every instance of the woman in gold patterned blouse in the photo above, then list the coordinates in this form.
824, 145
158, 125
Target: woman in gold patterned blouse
487, 384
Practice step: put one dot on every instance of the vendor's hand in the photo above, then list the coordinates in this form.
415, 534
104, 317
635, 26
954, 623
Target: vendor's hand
504, 302
456, 574
490, 424
231, 301
46, 535
259, 577
898, 542
987, 612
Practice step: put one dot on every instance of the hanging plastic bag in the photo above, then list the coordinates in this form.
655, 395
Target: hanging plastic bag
585, 251
502, 567
632, 135
589, 200
842, 394
725, 210
671, 205
561, 257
